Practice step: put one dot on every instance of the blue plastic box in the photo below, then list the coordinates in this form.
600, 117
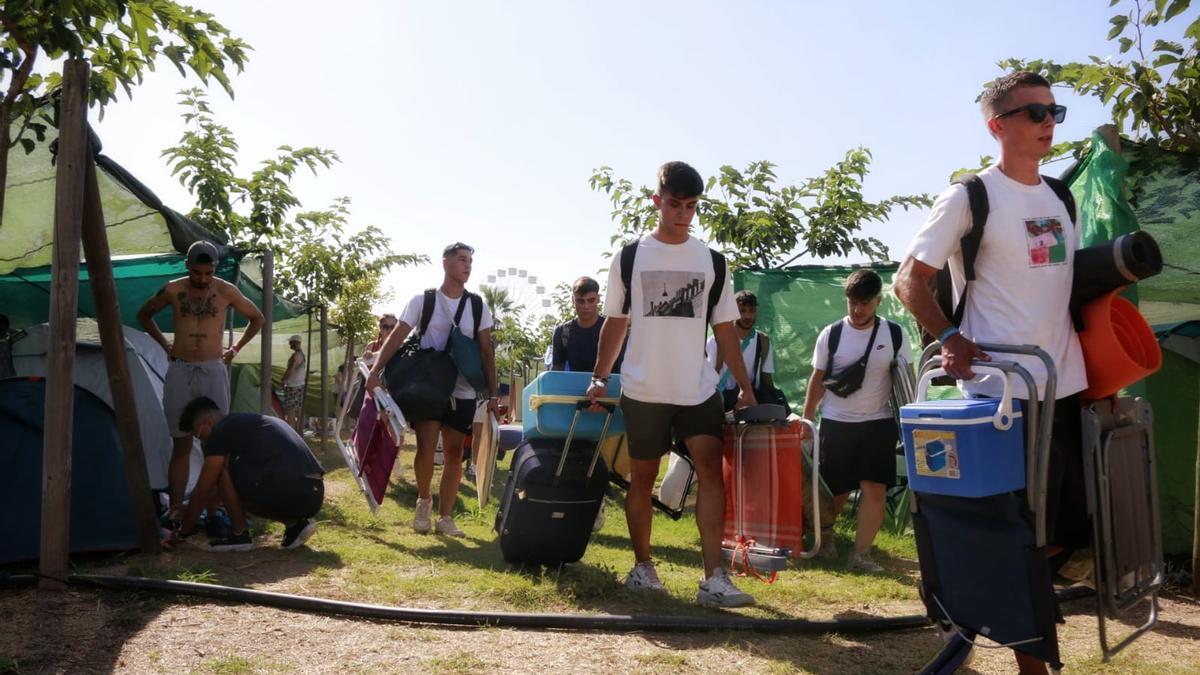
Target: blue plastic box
954, 448
553, 420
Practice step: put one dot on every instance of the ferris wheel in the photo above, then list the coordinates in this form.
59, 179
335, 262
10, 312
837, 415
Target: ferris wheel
522, 288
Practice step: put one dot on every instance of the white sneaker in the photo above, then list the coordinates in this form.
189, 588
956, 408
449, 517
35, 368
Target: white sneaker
644, 578
718, 591
446, 526
421, 515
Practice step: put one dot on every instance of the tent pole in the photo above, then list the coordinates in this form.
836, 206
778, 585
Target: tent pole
324, 376
268, 301
307, 369
112, 342
64, 300
1196, 527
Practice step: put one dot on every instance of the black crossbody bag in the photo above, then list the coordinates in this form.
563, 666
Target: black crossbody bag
851, 378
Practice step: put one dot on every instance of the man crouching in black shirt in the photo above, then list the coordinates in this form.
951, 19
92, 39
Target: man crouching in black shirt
259, 465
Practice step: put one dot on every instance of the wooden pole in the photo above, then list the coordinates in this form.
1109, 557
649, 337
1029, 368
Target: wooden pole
307, 369
324, 376
59, 424
268, 301
1196, 527
112, 340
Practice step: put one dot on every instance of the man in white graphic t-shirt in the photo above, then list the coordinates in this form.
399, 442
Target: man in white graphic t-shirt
668, 388
456, 423
1021, 291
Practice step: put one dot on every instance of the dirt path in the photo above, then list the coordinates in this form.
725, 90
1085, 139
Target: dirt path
137, 633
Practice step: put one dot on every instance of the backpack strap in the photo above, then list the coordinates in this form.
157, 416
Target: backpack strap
427, 309
760, 350
628, 253
978, 199
476, 313
1064, 194
835, 337
564, 334
714, 293
897, 337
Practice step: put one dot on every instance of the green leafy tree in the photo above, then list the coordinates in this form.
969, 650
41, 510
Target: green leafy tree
498, 300
517, 343
1155, 95
121, 38
252, 211
759, 223
353, 312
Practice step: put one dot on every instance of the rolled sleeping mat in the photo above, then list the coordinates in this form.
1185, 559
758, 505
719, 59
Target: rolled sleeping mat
1119, 347
1114, 264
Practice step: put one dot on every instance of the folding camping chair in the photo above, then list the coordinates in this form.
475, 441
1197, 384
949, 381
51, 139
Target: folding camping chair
393, 423
1122, 494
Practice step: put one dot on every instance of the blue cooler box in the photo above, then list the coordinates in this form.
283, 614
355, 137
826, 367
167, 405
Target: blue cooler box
953, 448
553, 420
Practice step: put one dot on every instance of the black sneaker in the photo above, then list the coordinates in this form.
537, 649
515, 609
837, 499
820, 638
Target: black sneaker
217, 524
297, 533
234, 542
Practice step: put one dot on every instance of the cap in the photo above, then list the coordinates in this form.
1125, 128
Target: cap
456, 247
294, 338
203, 252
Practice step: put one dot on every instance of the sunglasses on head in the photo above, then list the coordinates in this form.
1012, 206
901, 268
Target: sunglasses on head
1038, 111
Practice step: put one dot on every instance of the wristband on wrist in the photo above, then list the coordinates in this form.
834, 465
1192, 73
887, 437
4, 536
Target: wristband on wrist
235, 348
950, 332
599, 380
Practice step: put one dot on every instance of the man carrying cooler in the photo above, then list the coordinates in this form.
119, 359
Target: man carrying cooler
668, 388
1020, 295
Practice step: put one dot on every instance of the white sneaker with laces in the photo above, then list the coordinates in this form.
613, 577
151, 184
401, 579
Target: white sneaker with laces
862, 563
718, 591
446, 526
421, 515
644, 578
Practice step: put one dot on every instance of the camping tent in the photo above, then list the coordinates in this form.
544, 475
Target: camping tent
147, 368
101, 510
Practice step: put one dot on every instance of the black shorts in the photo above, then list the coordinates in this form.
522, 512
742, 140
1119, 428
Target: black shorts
459, 416
653, 428
285, 498
852, 452
1067, 521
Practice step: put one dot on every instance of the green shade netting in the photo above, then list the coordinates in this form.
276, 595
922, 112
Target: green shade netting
25, 293
795, 303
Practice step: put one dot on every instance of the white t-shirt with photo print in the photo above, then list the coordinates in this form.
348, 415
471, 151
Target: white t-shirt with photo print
1023, 277
440, 323
665, 359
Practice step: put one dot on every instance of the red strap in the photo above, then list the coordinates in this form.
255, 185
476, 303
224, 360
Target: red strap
742, 546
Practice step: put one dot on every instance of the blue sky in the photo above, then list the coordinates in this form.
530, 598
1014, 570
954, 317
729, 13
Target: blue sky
482, 121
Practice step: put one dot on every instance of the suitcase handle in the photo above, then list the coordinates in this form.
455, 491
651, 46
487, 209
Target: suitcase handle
581, 405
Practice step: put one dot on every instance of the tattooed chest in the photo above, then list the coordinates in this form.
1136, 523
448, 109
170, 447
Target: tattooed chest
198, 306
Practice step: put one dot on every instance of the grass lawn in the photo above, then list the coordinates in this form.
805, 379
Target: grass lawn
379, 559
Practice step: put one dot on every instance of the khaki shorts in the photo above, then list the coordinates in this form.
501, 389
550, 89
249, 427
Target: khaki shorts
653, 428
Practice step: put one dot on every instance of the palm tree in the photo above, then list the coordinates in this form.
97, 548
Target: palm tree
498, 300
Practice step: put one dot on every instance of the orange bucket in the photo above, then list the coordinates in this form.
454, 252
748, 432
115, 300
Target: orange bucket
1118, 345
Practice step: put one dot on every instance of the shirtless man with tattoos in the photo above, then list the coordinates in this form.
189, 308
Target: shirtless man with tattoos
197, 361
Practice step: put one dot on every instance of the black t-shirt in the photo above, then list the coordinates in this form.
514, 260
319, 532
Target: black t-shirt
266, 445
582, 344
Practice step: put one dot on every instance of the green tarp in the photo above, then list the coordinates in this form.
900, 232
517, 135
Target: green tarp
25, 293
795, 303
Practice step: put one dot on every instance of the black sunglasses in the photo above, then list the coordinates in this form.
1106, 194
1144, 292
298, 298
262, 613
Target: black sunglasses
387, 326
1038, 111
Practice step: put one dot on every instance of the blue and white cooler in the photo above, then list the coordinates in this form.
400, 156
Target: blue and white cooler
964, 447
549, 403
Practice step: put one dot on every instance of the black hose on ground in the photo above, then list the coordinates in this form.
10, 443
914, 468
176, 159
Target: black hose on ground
595, 622
606, 622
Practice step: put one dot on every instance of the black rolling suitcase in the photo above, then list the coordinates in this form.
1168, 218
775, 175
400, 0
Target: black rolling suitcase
552, 496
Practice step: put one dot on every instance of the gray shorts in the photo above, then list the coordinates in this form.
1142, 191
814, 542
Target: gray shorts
187, 380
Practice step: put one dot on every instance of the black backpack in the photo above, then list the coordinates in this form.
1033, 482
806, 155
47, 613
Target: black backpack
427, 313
978, 199
629, 253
